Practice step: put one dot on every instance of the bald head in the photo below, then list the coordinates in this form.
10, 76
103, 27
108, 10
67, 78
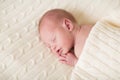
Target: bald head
55, 16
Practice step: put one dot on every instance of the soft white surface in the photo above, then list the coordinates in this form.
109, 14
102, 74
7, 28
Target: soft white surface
22, 55
100, 59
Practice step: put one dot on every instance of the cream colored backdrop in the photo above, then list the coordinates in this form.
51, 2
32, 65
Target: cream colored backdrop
22, 55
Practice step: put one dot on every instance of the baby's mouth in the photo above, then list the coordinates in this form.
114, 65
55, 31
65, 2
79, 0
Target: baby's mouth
59, 51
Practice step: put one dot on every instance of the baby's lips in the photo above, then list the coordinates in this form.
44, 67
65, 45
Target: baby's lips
58, 54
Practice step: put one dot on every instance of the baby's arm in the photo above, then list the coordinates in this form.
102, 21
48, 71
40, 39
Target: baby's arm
68, 58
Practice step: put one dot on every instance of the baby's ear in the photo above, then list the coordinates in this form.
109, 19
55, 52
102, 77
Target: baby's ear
67, 24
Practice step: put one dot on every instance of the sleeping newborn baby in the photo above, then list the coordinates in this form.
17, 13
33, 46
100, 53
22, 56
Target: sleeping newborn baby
60, 32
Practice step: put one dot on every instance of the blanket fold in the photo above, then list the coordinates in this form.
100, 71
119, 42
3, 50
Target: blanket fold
100, 59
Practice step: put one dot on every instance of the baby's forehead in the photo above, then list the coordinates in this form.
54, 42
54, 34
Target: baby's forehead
49, 23
47, 29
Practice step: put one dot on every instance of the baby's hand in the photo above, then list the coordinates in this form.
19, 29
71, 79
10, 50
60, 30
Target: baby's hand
68, 58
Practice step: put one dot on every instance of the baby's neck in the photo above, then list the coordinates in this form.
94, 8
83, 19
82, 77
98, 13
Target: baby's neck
80, 38
76, 33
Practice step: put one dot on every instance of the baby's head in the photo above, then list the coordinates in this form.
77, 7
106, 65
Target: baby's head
55, 29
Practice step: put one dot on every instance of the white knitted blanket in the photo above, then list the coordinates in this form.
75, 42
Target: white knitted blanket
23, 56
100, 59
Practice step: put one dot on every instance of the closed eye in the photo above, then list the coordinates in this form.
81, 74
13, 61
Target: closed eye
54, 39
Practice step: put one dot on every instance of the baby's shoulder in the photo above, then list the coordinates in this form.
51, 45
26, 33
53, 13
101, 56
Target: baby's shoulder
78, 49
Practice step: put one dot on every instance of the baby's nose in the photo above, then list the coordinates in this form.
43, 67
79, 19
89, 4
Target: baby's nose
54, 48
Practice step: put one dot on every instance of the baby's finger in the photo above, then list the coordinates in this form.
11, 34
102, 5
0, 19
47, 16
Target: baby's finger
62, 58
62, 61
58, 55
63, 55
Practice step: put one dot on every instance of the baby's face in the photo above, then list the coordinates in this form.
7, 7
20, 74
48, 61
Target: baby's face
58, 39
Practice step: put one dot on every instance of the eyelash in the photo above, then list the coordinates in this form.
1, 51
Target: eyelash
54, 39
